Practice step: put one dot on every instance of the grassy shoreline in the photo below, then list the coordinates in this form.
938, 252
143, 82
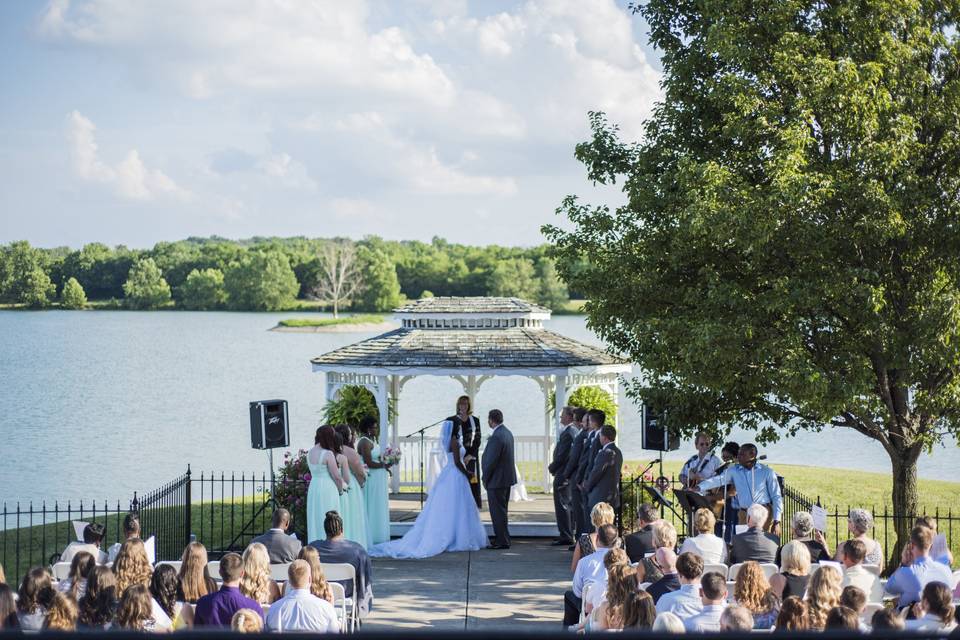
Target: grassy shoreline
331, 322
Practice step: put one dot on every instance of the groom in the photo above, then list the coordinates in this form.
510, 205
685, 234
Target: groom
499, 474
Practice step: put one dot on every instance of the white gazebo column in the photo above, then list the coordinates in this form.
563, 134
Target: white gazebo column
560, 393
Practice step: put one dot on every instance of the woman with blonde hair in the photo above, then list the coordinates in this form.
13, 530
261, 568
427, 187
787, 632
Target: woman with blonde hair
318, 581
752, 591
132, 566
195, 580
62, 614
601, 514
794, 571
823, 594
246, 621
705, 544
136, 609
664, 537
256, 583
621, 582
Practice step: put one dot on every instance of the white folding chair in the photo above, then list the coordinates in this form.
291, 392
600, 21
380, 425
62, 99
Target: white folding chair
173, 563
769, 569
340, 604
61, 571
734, 570
869, 609
813, 567
343, 572
214, 568
584, 599
730, 585
956, 578
716, 568
279, 572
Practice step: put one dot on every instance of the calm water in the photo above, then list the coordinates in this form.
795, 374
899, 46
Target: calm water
99, 404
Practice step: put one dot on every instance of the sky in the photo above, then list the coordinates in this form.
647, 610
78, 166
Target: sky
136, 122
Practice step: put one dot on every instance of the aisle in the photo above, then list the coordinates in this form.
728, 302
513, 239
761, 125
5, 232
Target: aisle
521, 588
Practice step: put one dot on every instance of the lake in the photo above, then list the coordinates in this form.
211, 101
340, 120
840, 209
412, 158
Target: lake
99, 404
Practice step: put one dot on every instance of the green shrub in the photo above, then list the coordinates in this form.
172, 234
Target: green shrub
145, 287
203, 290
73, 296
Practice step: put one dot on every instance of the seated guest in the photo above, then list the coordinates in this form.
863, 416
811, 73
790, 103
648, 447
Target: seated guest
76, 583
638, 611
194, 579
131, 529
589, 569
859, 523
854, 598
939, 614
793, 615
300, 610
752, 590
318, 580
843, 618
337, 549
823, 594
92, 537
854, 574
163, 589
802, 526
132, 566
598, 591
8, 609
670, 580
216, 609
246, 621
621, 582
35, 597
705, 544
685, 601
886, 620
754, 543
667, 623
713, 587
137, 613
601, 514
281, 547
664, 537
917, 569
640, 542
257, 583
941, 554
736, 618
62, 614
98, 607
794, 571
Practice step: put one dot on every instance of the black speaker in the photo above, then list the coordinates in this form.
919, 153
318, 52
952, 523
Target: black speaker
269, 428
655, 435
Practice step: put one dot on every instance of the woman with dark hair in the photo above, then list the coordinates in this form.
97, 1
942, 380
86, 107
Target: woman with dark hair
935, 613
376, 498
98, 607
351, 501
326, 482
36, 596
638, 611
163, 588
76, 583
793, 615
8, 609
136, 610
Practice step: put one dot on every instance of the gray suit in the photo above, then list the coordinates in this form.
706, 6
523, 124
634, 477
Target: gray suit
561, 489
281, 547
591, 448
603, 484
499, 474
754, 544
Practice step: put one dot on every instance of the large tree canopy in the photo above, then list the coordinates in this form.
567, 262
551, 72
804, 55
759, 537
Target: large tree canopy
789, 257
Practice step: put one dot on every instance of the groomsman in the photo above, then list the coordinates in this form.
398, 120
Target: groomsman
595, 420
561, 488
570, 471
603, 483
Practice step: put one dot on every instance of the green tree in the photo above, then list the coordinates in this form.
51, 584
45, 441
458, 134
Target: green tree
203, 290
23, 276
514, 278
787, 258
145, 287
73, 296
553, 292
262, 281
381, 289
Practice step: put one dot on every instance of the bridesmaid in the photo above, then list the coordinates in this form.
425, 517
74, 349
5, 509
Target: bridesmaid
326, 482
375, 495
354, 512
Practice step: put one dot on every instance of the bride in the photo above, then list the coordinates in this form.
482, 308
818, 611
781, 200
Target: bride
450, 520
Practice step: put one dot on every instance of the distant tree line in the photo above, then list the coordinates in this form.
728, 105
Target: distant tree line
273, 273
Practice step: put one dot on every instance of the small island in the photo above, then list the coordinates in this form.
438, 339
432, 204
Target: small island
365, 322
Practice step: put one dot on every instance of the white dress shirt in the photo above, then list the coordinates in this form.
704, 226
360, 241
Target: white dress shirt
707, 620
708, 546
590, 569
859, 577
300, 610
930, 623
685, 602
703, 467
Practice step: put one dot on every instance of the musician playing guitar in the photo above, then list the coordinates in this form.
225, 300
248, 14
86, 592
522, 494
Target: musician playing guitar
701, 466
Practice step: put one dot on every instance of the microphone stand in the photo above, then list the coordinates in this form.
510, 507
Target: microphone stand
422, 433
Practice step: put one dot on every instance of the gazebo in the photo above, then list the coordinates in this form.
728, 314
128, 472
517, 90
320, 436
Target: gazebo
470, 339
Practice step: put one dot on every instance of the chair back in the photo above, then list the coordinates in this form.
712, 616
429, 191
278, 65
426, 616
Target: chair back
716, 568
869, 609
769, 569
339, 571
173, 563
61, 571
214, 568
340, 604
279, 572
733, 571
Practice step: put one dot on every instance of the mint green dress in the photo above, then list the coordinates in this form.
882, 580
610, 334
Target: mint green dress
323, 495
377, 500
352, 510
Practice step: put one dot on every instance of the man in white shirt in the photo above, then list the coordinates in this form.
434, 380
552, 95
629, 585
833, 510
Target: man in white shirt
92, 536
300, 610
714, 599
589, 569
701, 466
854, 551
685, 601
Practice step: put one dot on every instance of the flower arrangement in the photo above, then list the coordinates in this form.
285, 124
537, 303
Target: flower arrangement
290, 491
391, 455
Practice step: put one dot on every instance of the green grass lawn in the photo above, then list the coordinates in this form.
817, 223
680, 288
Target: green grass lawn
330, 322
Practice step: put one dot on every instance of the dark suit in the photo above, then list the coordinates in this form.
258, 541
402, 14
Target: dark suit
281, 547
469, 434
570, 475
639, 543
499, 474
561, 488
669, 582
754, 544
591, 447
603, 483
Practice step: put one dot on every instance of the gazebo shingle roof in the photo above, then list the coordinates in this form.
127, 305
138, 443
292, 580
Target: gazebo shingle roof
443, 348
482, 305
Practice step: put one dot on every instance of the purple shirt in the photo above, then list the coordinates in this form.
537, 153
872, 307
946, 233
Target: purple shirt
216, 609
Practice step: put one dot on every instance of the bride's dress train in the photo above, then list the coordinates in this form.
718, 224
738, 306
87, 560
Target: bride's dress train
450, 520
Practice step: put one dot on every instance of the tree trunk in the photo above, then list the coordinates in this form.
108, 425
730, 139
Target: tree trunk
335, 309
905, 500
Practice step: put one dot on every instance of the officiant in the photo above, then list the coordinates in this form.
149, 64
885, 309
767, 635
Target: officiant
466, 426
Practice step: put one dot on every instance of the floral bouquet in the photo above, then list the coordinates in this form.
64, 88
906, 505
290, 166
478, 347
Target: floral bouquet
391, 455
292, 482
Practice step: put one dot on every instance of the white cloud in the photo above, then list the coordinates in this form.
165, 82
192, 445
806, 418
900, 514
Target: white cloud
129, 178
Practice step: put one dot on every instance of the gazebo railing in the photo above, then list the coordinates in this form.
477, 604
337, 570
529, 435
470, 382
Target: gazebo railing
528, 452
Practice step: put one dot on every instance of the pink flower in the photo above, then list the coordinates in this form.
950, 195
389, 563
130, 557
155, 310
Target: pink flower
307, 477
299, 502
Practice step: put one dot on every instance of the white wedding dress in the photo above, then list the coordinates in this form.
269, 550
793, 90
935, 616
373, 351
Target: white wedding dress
450, 520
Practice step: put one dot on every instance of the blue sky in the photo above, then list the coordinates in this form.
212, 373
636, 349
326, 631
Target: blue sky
135, 122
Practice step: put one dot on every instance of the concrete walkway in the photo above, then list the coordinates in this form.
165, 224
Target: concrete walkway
516, 589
